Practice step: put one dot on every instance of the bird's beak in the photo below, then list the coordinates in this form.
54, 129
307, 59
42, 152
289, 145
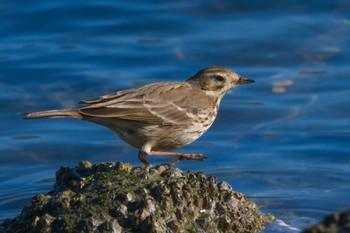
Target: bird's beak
244, 81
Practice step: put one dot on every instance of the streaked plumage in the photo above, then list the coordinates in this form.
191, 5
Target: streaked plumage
162, 116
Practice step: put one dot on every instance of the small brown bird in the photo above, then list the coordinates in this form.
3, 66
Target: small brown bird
162, 116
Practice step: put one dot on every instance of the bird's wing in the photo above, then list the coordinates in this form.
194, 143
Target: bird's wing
108, 97
128, 107
159, 103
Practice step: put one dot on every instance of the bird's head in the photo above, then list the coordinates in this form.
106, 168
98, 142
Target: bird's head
217, 80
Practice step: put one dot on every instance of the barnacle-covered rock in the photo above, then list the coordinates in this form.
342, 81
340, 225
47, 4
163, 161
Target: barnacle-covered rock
338, 222
109, 197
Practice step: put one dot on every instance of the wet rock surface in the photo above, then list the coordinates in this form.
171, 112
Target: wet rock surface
334, 223
109, 197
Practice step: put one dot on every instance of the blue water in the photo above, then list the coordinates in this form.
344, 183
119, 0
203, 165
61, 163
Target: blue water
283, 141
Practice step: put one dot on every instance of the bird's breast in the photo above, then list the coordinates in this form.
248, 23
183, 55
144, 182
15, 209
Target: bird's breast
201, 123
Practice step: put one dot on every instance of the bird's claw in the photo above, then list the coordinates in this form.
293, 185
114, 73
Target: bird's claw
199, 157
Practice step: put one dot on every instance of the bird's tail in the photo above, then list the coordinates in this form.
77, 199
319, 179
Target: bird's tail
68, 113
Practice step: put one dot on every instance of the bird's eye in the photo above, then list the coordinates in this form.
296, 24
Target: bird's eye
219, 78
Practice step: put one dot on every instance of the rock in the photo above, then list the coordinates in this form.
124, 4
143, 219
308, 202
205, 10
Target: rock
334, 223
109, 197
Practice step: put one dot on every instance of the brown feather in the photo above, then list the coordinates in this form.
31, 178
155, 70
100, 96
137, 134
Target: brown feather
108, 97
154, 103
65, 113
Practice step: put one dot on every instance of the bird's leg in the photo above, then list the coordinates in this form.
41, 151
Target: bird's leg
175, 162
142, 158
181, 156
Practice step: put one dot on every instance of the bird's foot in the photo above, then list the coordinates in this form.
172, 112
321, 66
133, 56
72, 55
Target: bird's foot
181, 156
199, 157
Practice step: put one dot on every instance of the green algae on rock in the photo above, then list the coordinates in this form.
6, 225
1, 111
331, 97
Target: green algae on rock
109, 197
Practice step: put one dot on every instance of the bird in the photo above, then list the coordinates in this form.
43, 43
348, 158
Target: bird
159, 117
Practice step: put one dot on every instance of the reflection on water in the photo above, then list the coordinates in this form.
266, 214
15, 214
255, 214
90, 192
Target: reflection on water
282, 140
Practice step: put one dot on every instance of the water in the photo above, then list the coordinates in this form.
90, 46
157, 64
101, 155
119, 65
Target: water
283, 141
